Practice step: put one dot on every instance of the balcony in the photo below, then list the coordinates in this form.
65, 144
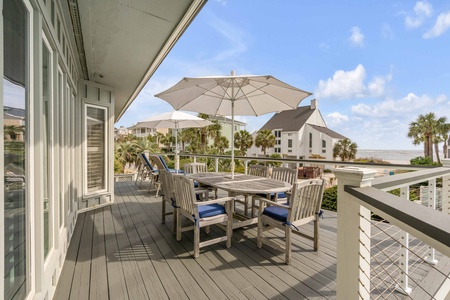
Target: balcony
123, 251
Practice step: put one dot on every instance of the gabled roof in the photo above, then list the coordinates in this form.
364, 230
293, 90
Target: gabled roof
328, 132
225, 119
289, 120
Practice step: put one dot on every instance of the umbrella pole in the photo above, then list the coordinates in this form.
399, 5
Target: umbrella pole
232, 139
177, 158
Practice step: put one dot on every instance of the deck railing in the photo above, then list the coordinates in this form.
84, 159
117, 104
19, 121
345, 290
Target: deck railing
360, 195
419, 232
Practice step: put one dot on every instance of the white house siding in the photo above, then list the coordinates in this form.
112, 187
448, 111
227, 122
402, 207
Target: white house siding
54, 169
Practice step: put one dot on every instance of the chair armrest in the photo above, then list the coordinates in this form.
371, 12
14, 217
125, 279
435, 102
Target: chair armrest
273, 203
220, 200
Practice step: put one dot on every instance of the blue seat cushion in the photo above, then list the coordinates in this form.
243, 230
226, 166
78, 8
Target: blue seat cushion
272, 195
276, 212
210, 210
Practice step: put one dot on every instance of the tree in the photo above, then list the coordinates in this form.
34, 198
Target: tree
345, 149
440, 129
143, 144
125, 152
222, 144
265, 139
243, 140
423, 130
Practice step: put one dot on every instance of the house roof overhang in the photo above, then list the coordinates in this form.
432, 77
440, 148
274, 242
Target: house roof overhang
125, 42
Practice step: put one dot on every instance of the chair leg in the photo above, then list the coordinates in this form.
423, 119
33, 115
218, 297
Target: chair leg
175, 220
287, 259
196, 241
229, 230
179, 219
316, 234
163, 211
208, 229
259, 232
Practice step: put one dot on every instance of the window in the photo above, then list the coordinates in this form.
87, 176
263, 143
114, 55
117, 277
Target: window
17, 21
324, 150
290, 143
46, 140
95, 148
277, 133
310, 140
277, 150
324, 144
289, 151
278, 142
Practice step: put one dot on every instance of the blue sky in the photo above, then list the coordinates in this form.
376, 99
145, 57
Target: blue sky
374, 66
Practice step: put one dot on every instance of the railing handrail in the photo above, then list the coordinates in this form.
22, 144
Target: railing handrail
309, 161
426, 224
387, 183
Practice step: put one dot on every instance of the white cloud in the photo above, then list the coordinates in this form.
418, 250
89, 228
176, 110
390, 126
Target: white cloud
407, 106
441, 26
236, 38
350, 84
422, 10
324, 45
222, 2
357, 38
336, 118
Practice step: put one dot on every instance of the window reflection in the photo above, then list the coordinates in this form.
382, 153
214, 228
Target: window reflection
15, 86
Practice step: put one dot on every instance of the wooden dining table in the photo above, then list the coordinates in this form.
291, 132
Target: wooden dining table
241, 184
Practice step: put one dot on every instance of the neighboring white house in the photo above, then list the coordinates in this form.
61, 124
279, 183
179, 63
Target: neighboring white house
70, 70
300, 133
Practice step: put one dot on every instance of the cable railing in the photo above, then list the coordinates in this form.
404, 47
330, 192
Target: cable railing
397, 256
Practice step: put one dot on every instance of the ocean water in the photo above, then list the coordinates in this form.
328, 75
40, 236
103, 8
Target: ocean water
398, 156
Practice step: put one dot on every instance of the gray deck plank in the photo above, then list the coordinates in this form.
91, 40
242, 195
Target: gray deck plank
82, 273
116, 279
124, 252
99, 276
65, 283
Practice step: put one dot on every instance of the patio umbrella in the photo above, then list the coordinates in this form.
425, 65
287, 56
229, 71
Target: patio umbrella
175, 120
246, 95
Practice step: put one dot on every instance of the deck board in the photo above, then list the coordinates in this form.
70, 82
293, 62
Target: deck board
122, 251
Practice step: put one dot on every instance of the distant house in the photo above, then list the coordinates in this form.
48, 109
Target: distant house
226, 126
301, 134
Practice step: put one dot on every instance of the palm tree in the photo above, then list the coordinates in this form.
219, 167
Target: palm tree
222, 144
345, 149
243, 140
126, 153
423, 131
444, 132
438, 136
265, 139
143, 144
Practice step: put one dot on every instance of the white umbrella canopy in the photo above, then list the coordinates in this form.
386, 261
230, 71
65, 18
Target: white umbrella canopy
245, 95
174, 119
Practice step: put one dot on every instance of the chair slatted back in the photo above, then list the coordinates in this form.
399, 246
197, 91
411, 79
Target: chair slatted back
166, 179
258, 170
285, 174
185, 193
145, 163
306, 199
194, 168
157, 162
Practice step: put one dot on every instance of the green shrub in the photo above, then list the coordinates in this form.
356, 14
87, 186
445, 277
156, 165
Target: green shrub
330, 199
423, 161
118, 167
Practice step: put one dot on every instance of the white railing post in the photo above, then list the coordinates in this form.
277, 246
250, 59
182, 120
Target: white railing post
353, 236
446, 188
245, 166
430, 256
403, 286
217, 164
195, 159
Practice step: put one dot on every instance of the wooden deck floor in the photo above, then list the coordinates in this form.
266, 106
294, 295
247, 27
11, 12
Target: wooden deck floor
122, 251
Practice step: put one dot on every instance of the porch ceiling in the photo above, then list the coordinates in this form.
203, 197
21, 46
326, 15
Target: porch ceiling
125, 41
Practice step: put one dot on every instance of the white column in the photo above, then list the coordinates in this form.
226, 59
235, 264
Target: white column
403, 285
353, 236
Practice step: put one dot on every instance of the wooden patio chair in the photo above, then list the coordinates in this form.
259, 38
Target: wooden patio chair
168, 197
147, 170
256, 170
201, 213
303, 207
194, 168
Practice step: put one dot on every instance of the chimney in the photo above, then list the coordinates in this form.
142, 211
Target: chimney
314, 104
